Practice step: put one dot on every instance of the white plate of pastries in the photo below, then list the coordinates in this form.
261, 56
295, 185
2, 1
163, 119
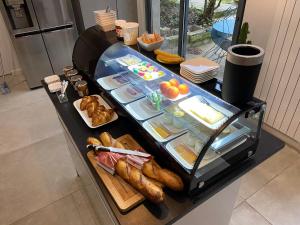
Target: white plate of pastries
95, 111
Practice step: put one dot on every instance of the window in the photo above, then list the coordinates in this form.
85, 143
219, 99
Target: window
165, 20
210, 24
197, 27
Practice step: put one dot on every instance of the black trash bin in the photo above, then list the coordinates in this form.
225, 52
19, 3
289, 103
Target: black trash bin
243, 64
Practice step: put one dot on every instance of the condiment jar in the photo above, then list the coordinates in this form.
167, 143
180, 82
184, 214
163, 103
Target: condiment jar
71, 73
67, 69
82, 88
74, 79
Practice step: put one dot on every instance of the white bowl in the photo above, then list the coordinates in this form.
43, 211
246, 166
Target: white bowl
152, 46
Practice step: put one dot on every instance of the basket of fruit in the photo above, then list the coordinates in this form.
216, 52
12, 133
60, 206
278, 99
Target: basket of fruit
150, 42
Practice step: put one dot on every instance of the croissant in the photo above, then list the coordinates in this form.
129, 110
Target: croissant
110, 111
106, 115
166, 177
91, 107
85, 100
141, 183
98, 120
100, 108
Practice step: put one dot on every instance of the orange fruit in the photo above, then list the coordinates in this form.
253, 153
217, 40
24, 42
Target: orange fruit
164, 86
172, 92
174, 82
183, 89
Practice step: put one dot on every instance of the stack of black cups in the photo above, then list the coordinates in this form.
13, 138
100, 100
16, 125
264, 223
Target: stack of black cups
243, 64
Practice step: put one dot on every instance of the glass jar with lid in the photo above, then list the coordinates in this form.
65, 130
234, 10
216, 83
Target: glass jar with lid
82, 88
71, 73
67, 69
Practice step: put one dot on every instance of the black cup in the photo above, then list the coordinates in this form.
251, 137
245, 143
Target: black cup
243, 64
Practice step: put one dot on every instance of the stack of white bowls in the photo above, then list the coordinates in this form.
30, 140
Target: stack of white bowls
199, 70
106, 20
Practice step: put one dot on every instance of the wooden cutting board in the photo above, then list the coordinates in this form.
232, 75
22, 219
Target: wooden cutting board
125, 196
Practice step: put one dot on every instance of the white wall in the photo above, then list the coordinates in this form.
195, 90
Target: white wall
88, 6
275, 25
259, 14
127, 9
9, 58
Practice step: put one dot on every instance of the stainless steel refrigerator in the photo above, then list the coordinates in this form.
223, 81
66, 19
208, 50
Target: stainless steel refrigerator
43, 33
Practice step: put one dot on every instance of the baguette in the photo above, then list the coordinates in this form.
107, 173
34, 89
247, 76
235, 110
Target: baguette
157, 183
168, 178
141, 183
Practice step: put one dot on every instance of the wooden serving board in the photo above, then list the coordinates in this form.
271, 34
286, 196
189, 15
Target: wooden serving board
125, 196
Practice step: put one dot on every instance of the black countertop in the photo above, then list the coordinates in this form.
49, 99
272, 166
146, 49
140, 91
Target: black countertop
176, 205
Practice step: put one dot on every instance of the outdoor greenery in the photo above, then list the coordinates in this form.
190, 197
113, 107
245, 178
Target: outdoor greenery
201, 17
244, 34
169, 13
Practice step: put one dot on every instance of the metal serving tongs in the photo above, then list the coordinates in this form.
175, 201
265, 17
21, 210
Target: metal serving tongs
118, 150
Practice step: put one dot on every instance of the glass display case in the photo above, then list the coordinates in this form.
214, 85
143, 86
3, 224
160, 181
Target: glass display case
198, 134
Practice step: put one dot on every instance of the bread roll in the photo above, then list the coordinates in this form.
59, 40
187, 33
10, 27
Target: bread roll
109, 141
93, 141
141, 183
166, 177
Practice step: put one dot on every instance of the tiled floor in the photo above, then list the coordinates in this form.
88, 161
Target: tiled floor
270, 193
38, 183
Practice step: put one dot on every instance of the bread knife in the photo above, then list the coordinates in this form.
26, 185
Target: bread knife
118, 150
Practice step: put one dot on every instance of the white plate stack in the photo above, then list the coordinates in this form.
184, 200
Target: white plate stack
199, 70
106, 20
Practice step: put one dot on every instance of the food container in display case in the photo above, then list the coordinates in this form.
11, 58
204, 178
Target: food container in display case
188, 129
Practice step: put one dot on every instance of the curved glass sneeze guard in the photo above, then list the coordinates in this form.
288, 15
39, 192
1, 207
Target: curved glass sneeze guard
176, 113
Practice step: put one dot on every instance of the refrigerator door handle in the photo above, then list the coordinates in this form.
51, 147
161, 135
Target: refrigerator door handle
25, 34
57, 28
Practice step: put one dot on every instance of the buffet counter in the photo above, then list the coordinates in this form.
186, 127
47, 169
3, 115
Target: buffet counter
212, 205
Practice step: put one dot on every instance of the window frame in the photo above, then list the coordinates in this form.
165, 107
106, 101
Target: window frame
183, 22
